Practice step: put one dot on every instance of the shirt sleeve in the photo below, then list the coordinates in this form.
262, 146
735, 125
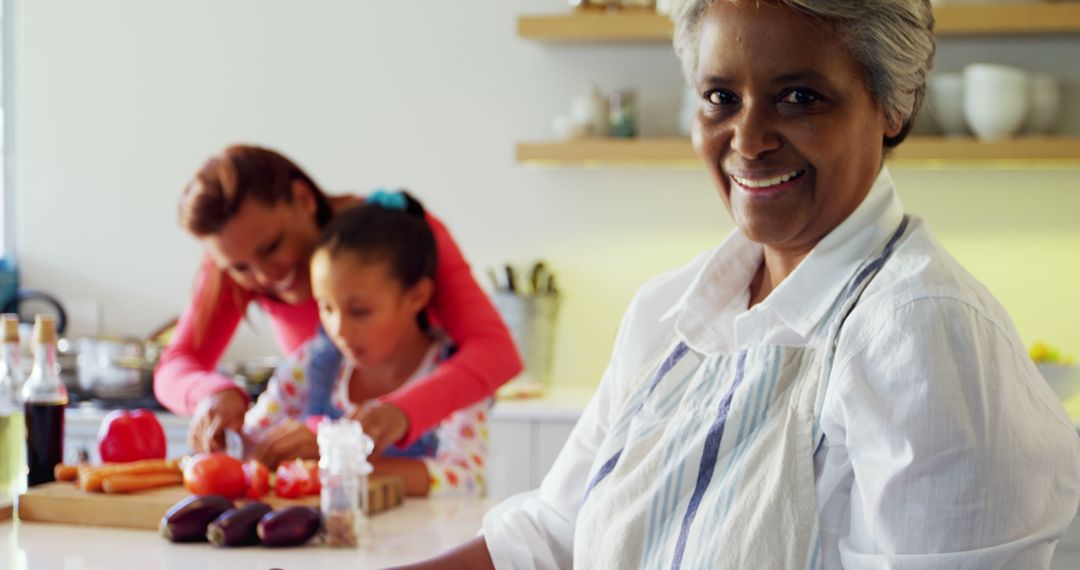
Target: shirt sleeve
486, 356
285, 397
459, 466
961, 457
185, 373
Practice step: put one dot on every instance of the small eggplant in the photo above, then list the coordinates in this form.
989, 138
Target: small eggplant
289, 527
186, 521
236, 527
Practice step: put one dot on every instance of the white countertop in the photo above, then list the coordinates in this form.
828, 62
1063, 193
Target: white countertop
418, 530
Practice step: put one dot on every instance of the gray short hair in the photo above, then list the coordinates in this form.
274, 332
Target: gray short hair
893, 39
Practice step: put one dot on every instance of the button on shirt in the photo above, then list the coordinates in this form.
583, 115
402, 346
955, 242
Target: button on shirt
943, 447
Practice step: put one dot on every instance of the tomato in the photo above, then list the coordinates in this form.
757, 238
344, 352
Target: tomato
297, 478
129, 436
215, 474
257, 478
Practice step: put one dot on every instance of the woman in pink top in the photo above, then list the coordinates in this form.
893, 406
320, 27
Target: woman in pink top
259, 216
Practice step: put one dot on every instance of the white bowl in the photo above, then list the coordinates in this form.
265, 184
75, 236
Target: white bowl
1045, 95
1064, 379
996, 100
945, 101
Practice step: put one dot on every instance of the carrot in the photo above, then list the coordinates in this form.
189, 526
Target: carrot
132, 483
93, 478
64, 472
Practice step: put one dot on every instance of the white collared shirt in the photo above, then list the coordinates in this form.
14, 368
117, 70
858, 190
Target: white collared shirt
943, 447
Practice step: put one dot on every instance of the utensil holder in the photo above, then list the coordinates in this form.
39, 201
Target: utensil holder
531, 320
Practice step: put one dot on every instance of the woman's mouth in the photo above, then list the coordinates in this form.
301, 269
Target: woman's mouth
769, 184
286, 283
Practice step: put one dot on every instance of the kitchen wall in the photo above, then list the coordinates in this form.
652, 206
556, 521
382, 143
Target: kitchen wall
118, 101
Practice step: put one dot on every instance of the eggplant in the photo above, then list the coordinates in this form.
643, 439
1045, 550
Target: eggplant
292, 526
187, 520
237, 527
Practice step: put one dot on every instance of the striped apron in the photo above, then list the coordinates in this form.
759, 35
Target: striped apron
711, 462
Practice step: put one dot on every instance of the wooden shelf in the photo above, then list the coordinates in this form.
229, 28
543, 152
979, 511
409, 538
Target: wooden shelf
644, 25
594, 25
659, 152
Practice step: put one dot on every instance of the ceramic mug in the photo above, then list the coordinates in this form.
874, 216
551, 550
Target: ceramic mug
996, 100
1045, 94
945, 99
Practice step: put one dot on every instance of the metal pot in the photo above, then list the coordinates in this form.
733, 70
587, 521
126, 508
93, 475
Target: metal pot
115, 368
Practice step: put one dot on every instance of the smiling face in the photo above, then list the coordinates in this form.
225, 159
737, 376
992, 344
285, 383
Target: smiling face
787, 127
365, 309
267, 248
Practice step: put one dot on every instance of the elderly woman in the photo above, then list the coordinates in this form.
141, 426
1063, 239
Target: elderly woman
828, 388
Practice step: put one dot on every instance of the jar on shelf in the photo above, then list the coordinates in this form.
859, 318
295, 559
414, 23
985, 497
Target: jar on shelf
622, 114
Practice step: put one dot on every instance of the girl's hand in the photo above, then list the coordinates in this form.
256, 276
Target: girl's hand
221, 411
289, 439
385, 424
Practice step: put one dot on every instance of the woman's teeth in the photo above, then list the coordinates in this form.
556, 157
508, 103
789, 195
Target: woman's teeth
284, 284
766, 182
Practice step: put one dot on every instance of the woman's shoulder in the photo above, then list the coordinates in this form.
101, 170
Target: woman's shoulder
922, 272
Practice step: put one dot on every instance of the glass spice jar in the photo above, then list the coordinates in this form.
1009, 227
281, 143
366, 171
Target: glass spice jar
343, 473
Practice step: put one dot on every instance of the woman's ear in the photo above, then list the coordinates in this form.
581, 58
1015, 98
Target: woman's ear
419, 296
893, 126
303, 197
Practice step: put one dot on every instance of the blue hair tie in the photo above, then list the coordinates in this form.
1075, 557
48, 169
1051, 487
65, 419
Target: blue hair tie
388, 200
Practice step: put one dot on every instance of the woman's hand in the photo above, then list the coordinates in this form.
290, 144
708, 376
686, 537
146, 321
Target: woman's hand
221, 411
289, 439
385, 424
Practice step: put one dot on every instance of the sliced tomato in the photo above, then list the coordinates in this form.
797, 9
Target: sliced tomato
215, 474
297, 478
257, 477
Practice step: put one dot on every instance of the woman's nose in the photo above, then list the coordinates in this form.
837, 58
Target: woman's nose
755, 134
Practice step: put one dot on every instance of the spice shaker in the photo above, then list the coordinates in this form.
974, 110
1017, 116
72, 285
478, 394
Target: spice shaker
343, 473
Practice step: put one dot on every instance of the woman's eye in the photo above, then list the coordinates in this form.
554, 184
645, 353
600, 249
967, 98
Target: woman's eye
719, 97
359, 313
800, 97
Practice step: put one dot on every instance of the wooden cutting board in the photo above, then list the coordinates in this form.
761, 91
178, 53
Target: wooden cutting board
5, 510
66, 503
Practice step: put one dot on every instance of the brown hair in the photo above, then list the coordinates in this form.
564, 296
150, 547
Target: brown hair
218, 190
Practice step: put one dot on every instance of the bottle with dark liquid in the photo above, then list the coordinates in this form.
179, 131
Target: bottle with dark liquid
45, 398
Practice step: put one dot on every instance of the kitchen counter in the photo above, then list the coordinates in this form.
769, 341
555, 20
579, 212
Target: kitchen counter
418, 530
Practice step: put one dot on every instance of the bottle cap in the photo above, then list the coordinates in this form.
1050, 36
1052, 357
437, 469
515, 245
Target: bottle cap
44, 329
11, 327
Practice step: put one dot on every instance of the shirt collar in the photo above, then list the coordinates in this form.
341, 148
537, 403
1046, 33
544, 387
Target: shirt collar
712, 315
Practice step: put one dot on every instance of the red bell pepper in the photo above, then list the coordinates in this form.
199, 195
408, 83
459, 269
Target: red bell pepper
129, 436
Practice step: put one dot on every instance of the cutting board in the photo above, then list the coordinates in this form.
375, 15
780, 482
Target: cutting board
66, 503
5, 510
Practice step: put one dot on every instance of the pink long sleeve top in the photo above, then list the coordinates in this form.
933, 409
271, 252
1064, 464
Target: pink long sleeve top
486, 358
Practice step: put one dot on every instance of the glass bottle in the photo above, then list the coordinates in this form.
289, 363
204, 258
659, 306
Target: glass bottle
343, 474
44, 400
623, 114
12, 425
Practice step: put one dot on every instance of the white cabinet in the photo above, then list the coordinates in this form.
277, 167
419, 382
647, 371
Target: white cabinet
521, 451
527, 436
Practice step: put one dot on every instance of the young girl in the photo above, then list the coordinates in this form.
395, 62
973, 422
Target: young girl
372, 277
